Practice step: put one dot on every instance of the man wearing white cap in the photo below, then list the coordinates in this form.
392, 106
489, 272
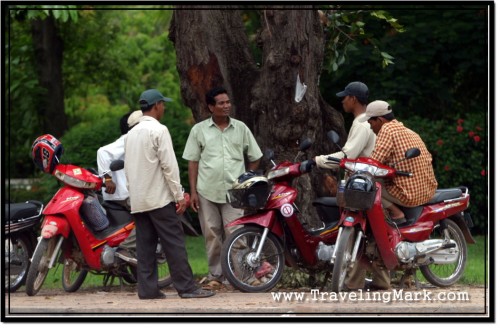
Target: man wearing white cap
393, 140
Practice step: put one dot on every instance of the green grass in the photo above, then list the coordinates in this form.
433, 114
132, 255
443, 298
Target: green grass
196, 255
475, 271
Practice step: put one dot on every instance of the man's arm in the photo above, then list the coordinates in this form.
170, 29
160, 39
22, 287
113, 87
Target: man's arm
193, 178
253, 166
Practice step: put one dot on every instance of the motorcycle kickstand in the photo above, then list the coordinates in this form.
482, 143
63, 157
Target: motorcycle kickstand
327, 276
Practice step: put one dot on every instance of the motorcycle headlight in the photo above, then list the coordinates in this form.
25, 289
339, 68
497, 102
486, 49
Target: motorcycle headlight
278, 173
69, 180
357, 167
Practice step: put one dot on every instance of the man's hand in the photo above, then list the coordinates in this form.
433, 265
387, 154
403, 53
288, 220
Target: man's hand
181, 206
195, 201
306, 166
110, 187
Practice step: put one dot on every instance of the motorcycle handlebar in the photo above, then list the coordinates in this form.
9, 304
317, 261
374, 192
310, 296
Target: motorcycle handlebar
333, 159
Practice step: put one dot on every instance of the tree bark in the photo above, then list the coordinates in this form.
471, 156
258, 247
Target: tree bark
49, 58
213, 49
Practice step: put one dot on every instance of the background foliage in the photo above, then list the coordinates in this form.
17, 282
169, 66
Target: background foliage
429, 62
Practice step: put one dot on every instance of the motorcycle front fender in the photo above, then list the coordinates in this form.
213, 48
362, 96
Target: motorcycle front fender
264, 219
55, 225
351, 219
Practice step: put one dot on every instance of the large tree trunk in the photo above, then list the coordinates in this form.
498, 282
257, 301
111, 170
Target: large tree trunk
49, 57
213, 49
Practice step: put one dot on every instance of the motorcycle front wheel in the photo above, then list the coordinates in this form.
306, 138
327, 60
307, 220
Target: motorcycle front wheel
343, 257
17, 261
39, 267
242, 269
445, 275
73, 275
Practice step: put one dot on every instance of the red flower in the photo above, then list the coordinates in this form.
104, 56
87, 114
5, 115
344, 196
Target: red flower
479, 128
459, 128
483, 172
471, 134
477, 138
460, 121
446, 168
440, 142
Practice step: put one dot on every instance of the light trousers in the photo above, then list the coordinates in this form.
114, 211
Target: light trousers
213, 218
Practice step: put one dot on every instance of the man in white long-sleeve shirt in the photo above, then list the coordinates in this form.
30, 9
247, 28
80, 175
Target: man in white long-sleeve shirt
360, 143
155, 188
361, 139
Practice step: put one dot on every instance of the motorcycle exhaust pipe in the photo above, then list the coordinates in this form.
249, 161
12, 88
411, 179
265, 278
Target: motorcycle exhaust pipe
407, 252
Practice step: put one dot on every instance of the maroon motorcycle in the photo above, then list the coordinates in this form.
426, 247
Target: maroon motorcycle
433, 239
274, 234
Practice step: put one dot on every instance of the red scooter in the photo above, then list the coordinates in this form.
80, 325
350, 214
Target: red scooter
433, 238
85, 234
273, 234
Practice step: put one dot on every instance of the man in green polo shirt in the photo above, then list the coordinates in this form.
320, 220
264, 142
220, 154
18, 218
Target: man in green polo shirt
216, 150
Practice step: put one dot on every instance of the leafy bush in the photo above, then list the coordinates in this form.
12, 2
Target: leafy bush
460, 157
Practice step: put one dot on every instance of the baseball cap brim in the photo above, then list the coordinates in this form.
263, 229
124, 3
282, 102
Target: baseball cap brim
341, 94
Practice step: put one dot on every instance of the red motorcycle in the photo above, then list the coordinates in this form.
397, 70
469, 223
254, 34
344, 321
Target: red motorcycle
273, 235
433, 239
75, 226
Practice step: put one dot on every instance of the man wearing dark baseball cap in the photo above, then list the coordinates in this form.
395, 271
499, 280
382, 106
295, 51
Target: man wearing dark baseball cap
356, 89
360, 140
155, 188
151, 97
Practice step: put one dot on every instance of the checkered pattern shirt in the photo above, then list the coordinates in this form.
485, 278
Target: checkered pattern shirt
393, 140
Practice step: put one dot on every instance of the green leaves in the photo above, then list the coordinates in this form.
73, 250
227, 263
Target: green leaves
63, 13
346, 29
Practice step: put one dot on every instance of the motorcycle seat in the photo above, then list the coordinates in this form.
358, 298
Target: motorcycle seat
19, 211
327, 209
325, 201
444, 194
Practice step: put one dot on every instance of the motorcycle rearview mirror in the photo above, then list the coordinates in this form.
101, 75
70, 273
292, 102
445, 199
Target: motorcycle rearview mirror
335, 138
305, 144
117, 165
412, 153
269, 155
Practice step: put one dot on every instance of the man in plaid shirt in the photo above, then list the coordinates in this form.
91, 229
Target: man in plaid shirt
393, 140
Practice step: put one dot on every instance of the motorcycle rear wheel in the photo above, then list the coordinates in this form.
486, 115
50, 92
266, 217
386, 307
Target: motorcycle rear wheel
445, 275
242, 271
17, 262
342, 258
73, 275
39, 267
164, 279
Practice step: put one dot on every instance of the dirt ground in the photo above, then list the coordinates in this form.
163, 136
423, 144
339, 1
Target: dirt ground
119, 302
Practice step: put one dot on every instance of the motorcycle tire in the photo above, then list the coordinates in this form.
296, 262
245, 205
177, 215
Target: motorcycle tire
238, 266
129, 274
39, 267
445, 275
73, 276
164, 279
17, 262
342, 258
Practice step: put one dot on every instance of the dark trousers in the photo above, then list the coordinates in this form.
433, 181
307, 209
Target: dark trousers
165, 224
